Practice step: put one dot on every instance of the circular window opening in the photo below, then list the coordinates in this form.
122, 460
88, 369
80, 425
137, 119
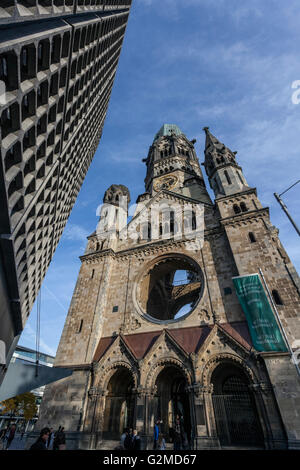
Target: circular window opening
170, 289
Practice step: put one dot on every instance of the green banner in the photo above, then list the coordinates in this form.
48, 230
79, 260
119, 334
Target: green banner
264, 330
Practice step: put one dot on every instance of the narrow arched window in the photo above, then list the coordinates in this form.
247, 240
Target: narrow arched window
160, 229
277, 297
172, 217
252, 237
145, 232
161, 154
149, 231
194, 222
236, 209
240, 178
80, 327
227, 177
243, 207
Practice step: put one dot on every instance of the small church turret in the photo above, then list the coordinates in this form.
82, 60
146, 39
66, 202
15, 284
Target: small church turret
114, 211
224, 174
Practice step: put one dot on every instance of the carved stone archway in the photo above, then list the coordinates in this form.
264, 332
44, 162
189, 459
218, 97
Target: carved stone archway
224, 411
169, 380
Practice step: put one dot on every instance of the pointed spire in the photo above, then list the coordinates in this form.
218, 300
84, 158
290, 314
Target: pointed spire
211, 140
225, 176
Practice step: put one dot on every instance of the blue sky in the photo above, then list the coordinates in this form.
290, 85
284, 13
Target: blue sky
226, 64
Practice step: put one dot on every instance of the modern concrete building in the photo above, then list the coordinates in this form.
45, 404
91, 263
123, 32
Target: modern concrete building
158, 325
58, 60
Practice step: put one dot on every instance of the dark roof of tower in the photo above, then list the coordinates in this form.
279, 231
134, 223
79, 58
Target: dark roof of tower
214, 144
212, 140
168, 129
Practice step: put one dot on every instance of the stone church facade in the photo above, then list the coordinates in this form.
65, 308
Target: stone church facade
145, 344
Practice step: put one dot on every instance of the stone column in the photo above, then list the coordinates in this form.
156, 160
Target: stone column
99, 416
204, 423
139, 420
149, 412
89, 423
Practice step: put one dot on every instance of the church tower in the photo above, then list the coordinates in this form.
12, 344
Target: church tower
225, 175
157, 327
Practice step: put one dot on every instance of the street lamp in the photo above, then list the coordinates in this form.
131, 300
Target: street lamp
285, 208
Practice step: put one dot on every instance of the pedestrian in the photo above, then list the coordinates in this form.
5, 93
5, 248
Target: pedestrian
62, 440
128, 440
2, 438
177, 433
41, 442
50, 439
136, 441
56, 439
11, 435
123, 437
161, 442
156, 434
185, 442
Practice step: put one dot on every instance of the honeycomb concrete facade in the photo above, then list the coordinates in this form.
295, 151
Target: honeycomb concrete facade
58, 60
132, 364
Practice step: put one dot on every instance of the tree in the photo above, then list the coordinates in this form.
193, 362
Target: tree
21, 405
9, 407
29, 406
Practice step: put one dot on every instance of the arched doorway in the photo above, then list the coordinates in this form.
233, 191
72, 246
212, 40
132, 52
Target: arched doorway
119, 405
172, 400
235, 409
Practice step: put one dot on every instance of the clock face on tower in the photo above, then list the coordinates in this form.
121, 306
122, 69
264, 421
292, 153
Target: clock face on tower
165, 182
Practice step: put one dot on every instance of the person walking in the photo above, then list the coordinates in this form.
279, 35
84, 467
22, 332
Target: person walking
177, 433
41, 442
156, 434
3, 433
50, 439
161, 442
123, 437
128, 440
62, 440
136, 441
11, 436
56, 439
